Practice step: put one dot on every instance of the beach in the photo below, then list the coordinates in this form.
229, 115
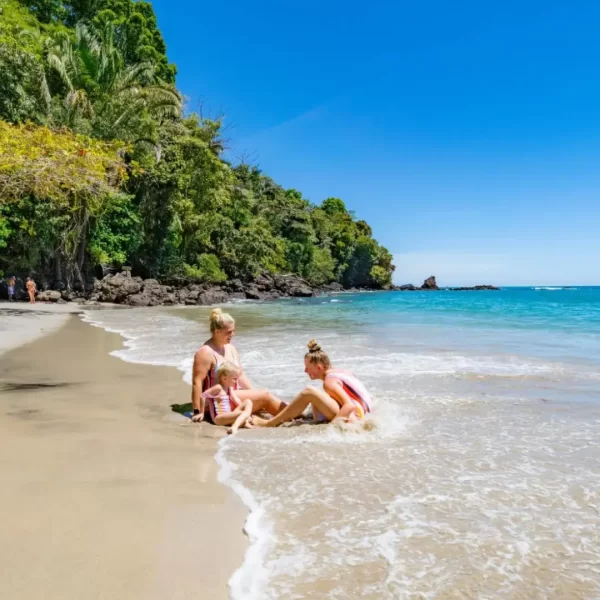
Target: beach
476, 476
106, 493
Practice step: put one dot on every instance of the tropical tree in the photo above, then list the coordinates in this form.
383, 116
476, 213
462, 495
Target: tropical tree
100, 86
54, 186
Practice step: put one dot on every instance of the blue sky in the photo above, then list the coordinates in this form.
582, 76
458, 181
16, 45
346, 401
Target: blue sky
466, 133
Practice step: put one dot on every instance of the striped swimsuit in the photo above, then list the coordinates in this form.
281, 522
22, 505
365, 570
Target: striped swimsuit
355, 389
221, 404
215, 405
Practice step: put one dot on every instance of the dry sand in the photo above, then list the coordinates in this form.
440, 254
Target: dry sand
21, 323
106, 494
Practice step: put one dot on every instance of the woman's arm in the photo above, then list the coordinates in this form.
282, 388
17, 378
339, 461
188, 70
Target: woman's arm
202, 364
243, 379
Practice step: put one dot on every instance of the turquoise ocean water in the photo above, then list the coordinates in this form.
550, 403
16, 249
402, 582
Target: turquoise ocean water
478, 474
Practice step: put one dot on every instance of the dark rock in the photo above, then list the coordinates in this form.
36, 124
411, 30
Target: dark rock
332, 287
155, 291
265, 282
102, 271
237, 296
48, 296
407, 287
235, 285
474, 288
254, 293
294, 286
210, 297
141, 299
430, 284
170, 299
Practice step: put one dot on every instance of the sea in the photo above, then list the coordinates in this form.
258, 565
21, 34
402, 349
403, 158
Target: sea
476, 476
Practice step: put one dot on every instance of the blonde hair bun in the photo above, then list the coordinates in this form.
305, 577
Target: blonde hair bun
314, 346
219, 320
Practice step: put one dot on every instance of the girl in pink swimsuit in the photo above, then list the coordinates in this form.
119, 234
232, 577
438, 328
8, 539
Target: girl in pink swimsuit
343, 395
224, 405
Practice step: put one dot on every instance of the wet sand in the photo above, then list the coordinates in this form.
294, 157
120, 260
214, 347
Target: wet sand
107, 494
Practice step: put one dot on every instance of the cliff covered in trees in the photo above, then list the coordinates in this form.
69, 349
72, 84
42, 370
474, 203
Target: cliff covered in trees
99, 164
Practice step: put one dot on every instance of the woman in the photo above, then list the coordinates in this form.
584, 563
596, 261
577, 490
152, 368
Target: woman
343, 395
211, 355
31, 290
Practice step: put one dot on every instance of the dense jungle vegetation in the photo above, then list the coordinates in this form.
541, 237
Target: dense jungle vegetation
100, 164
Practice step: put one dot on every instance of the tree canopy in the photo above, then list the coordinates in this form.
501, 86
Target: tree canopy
99, 164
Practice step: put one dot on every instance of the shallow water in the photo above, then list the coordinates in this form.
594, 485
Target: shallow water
478, 474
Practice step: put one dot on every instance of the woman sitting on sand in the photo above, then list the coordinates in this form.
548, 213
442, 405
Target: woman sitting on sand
211, 355
343, 395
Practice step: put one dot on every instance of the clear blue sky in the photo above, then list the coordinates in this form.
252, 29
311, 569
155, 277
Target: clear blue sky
466, 133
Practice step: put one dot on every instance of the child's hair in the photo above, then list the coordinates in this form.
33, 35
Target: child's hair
316, 356
219, 320
227, 368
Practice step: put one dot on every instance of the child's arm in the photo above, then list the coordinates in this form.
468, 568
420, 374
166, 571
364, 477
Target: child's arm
215, 390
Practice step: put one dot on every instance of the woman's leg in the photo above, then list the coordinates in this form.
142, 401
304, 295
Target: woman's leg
262, 400
323, 403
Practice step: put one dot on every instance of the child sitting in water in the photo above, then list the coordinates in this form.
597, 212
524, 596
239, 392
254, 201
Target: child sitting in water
224, 405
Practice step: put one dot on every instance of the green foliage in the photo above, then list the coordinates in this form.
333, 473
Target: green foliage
55, 185
19, 85
206, 269
322, 267
113, 173
139, 38
116, 233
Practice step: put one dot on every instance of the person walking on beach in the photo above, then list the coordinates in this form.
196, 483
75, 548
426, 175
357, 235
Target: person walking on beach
224, 405
31, 289
343, 395
209, 358
11, 288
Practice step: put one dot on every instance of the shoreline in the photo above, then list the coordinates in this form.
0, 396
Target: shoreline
107, 492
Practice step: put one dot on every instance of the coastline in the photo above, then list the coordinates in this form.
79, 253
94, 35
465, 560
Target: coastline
106, 492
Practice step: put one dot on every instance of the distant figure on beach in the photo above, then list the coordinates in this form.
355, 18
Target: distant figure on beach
31, 289
210, 357
224, 405
343, 395
11, 288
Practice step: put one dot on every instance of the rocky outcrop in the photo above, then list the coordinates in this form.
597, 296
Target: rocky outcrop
474, 288
135, 291
332, 288
407, 287
48, 296
430, 284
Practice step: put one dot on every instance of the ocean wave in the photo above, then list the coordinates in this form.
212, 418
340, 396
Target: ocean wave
250, 579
